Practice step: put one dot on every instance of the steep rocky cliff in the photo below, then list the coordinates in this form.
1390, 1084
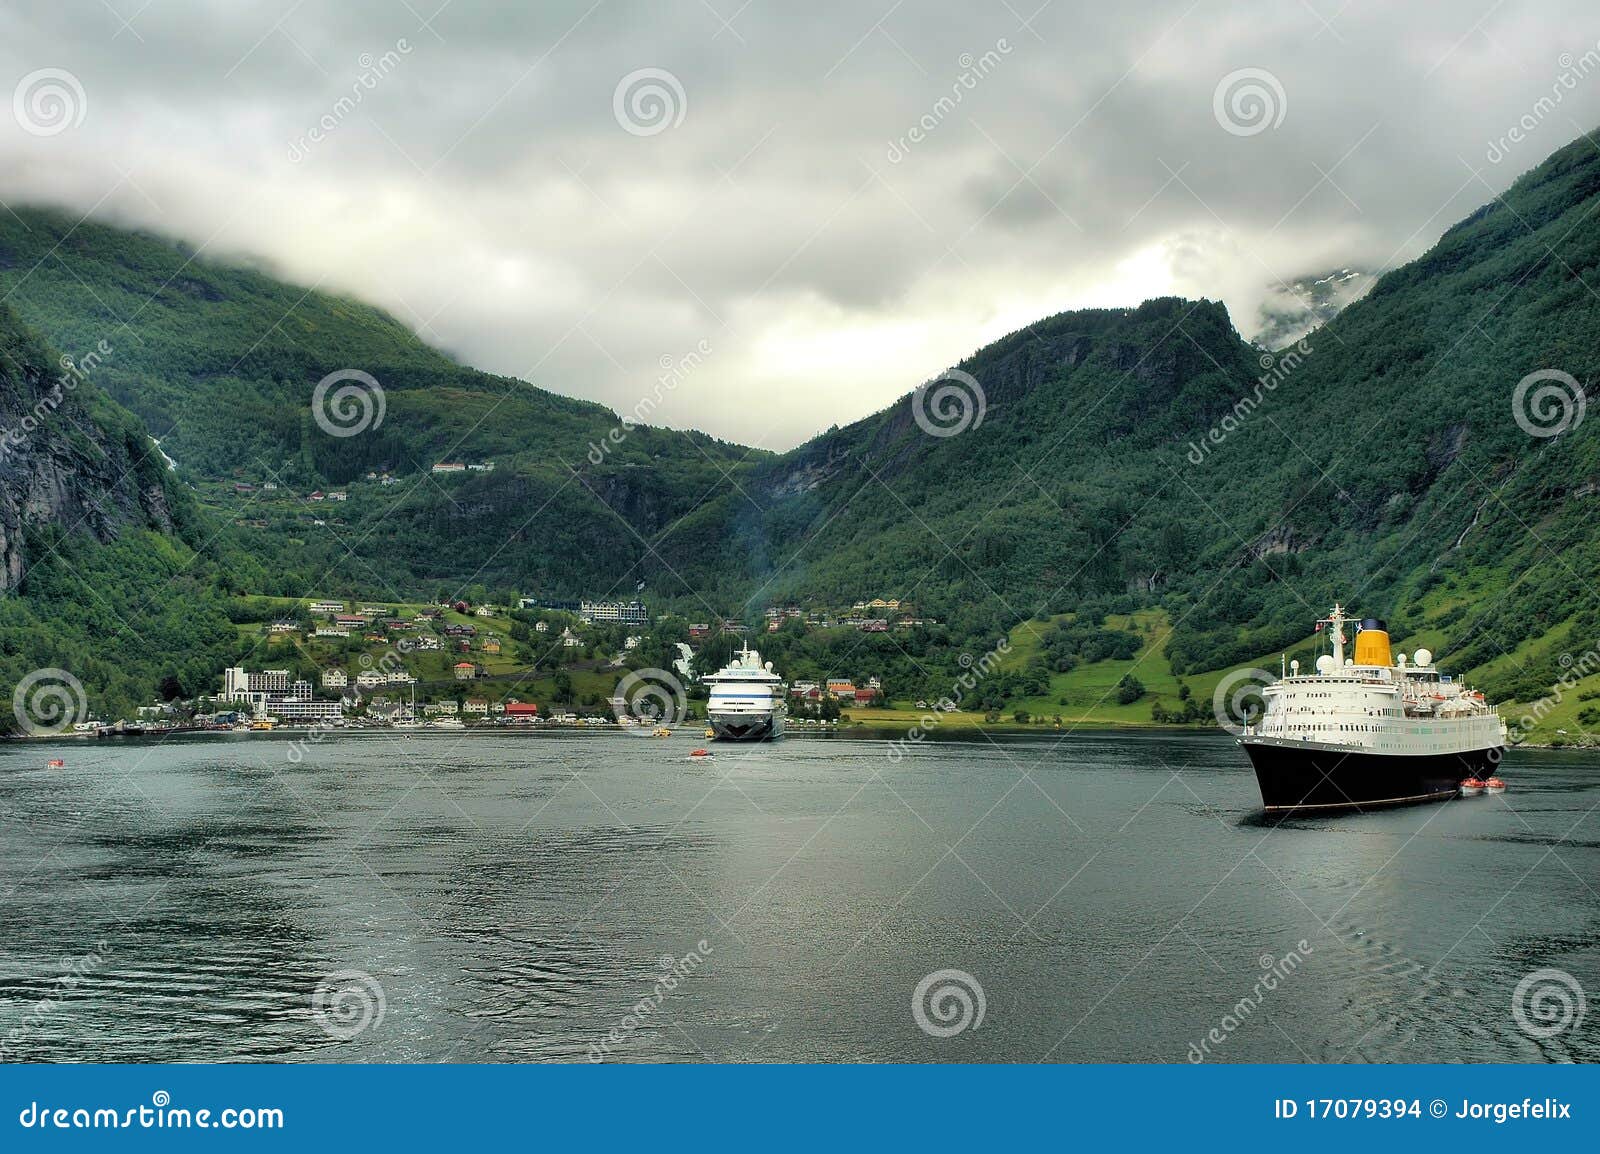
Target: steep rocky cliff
68, 459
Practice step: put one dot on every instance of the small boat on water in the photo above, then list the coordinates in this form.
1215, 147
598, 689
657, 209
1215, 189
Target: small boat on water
1472, 787
701, 755
662, 731
55, 763
1494, 785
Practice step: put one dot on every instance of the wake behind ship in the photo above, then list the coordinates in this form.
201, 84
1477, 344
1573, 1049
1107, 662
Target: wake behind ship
746, 699
1369, 731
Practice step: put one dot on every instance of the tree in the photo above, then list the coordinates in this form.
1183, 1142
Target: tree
563, 687
1129, 689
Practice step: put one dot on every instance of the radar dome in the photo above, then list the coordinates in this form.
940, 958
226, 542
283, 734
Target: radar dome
1424, 657
1324, 663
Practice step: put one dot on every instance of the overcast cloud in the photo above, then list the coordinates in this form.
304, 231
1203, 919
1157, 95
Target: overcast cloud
486, 191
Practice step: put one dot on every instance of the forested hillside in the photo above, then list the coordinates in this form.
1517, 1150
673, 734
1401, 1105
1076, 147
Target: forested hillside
108, 573
222, 363
1151, 457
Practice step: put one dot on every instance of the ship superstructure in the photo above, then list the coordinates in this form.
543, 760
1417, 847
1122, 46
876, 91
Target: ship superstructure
1369, 730
747, 699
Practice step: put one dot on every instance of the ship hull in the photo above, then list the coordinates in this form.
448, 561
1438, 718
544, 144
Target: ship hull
1303, 777
744, 727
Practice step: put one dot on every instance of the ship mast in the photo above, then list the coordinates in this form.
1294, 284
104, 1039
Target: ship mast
1335, 622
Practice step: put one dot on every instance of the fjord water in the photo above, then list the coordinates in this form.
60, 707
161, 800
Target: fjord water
515, 897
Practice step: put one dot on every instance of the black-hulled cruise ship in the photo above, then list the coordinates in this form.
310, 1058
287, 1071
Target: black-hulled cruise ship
1371, 730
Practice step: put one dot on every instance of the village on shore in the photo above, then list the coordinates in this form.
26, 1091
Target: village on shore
335, 664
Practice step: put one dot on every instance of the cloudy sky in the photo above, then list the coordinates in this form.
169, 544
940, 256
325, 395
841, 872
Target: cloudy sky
837, 199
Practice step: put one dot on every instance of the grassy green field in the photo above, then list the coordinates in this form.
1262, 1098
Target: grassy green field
1085, 697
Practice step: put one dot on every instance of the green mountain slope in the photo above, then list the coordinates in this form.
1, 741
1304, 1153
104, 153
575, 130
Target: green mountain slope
107, 570
1149, 457
222, 364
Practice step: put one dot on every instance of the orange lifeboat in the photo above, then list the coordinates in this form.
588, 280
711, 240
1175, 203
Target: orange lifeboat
1494, 785
700, 754
55, 763
1472, 787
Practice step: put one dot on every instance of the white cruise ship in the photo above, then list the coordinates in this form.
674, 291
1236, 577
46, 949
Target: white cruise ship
747, 699
1372, 730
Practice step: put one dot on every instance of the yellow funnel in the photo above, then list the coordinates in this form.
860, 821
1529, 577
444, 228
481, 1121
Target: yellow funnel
1372, 647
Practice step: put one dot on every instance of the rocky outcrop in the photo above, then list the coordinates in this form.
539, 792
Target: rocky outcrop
68, 460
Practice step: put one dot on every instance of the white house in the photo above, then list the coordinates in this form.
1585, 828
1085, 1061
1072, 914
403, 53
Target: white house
334, 679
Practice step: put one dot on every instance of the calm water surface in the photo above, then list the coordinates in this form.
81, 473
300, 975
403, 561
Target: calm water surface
512, 898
